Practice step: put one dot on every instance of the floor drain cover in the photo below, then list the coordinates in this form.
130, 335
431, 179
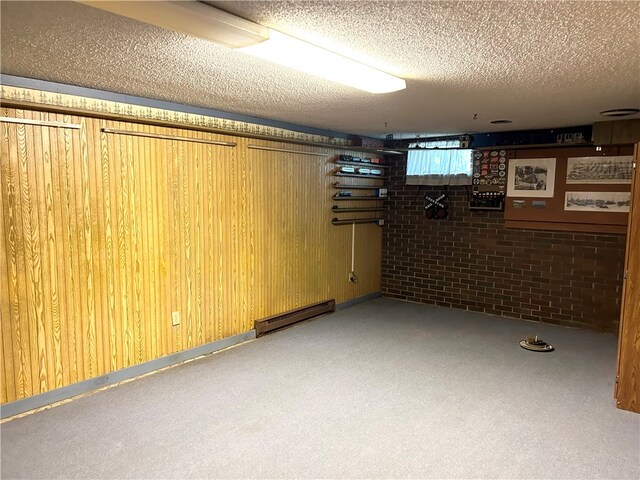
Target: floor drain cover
536, 345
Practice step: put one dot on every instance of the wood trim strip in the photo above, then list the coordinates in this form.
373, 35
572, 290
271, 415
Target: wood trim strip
42, 123
12, 103
627, 388
43, 92
274, 149
167, 137
566, 227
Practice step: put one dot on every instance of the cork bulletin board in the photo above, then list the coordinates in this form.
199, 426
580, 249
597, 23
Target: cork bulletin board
569, 189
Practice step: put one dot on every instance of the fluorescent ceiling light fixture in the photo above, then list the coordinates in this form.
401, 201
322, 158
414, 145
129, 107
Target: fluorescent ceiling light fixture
190, 17
308, 58
201, 20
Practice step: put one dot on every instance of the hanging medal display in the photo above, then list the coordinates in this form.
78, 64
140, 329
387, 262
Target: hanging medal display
489, 179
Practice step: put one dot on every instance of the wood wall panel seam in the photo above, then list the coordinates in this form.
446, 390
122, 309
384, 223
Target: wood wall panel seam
6, 274
17, 285
627, 389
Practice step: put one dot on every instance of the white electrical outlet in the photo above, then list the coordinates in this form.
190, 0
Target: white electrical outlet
175, 318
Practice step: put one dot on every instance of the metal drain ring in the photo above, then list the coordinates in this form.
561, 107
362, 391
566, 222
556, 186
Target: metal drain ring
539, 347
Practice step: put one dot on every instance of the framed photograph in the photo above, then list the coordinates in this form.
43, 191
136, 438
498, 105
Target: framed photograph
612, 202
531, 177
600, 169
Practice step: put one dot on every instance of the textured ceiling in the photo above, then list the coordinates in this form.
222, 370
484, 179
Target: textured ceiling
540, 64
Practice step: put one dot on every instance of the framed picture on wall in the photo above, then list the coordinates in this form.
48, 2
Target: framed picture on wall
531, 177
601, 169
611, 202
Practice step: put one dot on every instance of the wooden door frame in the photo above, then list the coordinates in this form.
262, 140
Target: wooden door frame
633, 219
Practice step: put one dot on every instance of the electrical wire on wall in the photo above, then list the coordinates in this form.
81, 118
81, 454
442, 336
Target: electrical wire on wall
419, 196
352, 274
418, 200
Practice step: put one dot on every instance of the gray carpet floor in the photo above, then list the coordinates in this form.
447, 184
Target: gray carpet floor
384, 389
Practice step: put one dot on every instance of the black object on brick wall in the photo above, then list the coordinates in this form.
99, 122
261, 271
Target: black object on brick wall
471, 261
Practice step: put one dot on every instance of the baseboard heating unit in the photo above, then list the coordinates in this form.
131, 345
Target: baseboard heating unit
269, 324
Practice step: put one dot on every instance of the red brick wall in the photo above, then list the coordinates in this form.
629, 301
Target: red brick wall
471, 261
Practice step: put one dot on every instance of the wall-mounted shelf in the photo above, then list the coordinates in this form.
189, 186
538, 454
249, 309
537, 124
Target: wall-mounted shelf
361, 164
497, 209
359, 175
371, 150
337, 209
360, 197
349, 221
376, 191
340, 186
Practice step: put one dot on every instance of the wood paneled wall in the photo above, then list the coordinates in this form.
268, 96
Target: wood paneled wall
627, 389
104, 235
